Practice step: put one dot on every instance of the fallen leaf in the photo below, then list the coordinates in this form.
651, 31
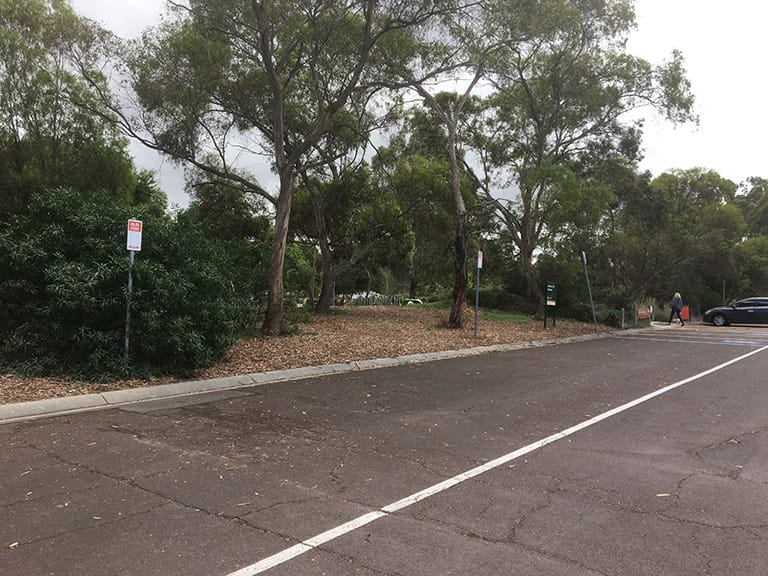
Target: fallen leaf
361, 333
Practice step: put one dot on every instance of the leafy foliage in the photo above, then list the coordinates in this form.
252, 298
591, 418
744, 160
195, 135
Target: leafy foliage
54, 129
563, 80
63, 275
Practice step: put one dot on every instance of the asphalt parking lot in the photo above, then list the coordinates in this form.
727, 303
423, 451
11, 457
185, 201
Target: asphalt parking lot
639, 453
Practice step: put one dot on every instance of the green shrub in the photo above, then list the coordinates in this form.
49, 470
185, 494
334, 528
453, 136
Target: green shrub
63, 286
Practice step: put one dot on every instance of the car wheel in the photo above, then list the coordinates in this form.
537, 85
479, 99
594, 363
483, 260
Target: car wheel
719, 320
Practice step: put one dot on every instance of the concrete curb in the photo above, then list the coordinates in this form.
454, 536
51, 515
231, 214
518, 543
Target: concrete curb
88, 402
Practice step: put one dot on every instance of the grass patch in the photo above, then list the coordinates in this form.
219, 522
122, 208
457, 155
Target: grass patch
501, 316
440, 304
392, 324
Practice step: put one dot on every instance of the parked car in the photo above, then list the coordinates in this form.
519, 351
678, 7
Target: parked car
746, 311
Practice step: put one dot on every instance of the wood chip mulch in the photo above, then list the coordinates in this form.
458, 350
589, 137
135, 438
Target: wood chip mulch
349, 334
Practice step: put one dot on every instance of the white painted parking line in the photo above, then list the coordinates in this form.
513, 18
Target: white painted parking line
320, 539
691, 340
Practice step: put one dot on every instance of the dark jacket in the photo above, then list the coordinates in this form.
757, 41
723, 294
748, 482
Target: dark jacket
677, 303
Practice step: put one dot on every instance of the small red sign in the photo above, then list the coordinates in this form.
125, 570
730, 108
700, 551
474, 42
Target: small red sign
134, 225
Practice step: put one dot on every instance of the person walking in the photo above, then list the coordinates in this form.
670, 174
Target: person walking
677, 306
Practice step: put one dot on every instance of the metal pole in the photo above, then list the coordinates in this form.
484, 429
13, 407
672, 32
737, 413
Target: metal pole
128, 303
589, 289
477, 295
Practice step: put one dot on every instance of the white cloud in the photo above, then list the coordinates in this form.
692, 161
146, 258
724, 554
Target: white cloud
724, 46
126, 18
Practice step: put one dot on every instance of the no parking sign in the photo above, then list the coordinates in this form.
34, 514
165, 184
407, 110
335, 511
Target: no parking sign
133, 244
134, 235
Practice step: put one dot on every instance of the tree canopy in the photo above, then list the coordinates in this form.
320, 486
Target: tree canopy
54, 125
364, 145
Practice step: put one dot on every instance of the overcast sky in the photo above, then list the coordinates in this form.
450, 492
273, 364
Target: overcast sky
724, 45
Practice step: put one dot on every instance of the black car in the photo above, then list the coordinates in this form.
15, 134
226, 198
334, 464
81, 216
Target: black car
746, 311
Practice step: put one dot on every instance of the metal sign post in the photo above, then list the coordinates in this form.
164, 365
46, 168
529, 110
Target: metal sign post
551, 301
589, 289
133, 245
128, 304
477, 287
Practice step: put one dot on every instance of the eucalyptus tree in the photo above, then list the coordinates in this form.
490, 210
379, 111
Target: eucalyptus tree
421, 184
262, 81
563, 85
752, 199
461, 51
348, 217
677, 232
54, 130
702, 228
754, 279
450, 109
414, 165
226, 208
751, 256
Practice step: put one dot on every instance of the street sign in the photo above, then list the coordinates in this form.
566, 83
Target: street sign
477, 288
134, 235
551, 294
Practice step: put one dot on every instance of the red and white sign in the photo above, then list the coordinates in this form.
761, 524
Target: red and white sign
479, 259
134, 235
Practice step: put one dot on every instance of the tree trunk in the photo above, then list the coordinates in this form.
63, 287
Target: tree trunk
326, 293
456, 318
533, 284
413, 282
413, 285
273, 317
451, 117
325, 300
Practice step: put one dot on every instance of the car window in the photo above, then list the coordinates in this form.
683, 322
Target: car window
752, 302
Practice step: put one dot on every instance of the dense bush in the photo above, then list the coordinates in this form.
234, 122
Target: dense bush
499, 298
63, 286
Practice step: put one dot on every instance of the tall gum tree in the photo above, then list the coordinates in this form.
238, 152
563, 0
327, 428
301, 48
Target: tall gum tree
450, 111
348, 218
563, 82
52, 126
415, 167
461, 51
249, 80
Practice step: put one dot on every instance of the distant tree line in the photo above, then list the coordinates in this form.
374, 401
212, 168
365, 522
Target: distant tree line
405, 136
